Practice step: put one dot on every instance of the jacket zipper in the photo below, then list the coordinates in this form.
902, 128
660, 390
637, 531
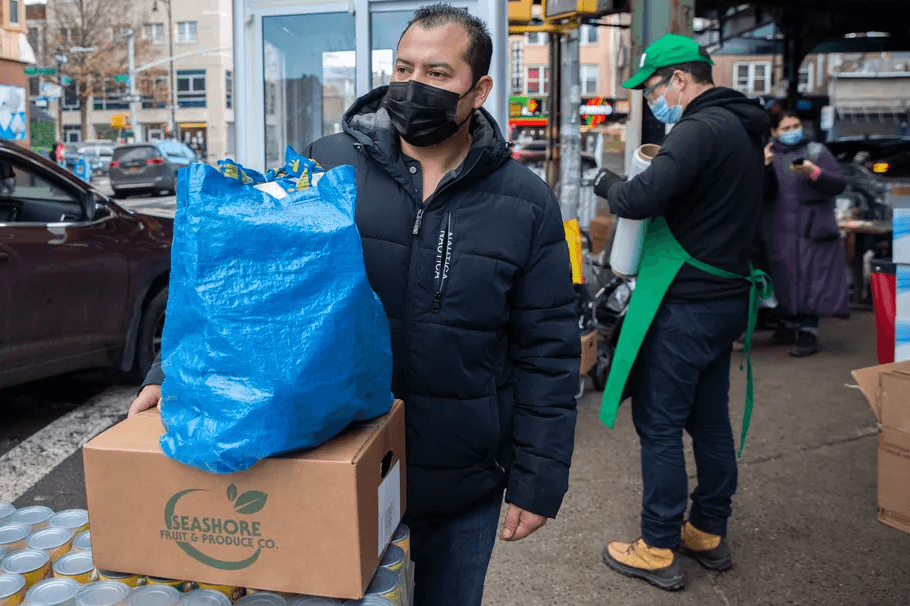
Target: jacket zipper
443, 259
418, 221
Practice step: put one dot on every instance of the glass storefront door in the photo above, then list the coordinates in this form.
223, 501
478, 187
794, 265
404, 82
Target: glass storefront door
308, 78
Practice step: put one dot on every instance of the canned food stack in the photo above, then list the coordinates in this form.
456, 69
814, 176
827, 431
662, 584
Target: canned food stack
46, 560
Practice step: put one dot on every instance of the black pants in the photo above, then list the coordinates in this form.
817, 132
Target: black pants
681, 381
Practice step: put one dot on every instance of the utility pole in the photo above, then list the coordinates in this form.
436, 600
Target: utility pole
570, 128
171, 85
131, 74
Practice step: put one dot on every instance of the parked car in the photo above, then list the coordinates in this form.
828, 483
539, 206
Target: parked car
98, 152
533, 154
149, 167
871, 165
83, 282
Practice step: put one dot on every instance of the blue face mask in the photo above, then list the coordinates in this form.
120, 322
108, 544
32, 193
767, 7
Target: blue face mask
662, 110
791, 137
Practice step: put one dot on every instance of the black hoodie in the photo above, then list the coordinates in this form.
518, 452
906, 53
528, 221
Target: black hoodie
707, 182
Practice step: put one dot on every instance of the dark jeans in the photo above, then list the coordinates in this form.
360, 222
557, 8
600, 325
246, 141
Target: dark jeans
451, 554
680, 381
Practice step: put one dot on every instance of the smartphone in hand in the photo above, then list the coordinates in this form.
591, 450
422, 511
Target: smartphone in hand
799, 161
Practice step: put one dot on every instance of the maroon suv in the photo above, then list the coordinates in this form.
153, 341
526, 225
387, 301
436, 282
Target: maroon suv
83, 282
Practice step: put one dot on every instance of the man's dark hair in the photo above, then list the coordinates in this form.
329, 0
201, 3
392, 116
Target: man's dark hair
700, 70
480, 44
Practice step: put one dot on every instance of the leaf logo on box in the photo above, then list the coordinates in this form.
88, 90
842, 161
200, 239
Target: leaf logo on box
188, 531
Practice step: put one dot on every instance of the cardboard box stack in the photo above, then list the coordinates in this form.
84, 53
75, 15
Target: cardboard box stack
315, 523
887, 388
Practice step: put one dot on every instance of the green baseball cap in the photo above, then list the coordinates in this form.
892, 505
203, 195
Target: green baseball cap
671, 49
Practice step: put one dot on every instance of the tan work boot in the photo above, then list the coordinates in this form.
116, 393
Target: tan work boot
657, 566
709, 550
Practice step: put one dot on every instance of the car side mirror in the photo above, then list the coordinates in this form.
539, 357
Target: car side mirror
96, 208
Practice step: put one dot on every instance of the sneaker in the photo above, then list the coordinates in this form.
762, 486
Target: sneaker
655, 565
709, 550
806, 345
784, 336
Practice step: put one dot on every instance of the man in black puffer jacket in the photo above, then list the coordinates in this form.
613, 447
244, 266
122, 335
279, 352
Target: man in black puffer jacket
467, 252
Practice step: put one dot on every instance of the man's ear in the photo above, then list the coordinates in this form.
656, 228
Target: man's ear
482, 90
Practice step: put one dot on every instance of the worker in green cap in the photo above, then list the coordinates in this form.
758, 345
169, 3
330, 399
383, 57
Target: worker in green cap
694, 295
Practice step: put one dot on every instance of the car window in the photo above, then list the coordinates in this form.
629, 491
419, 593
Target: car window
132, 154
171, 149
27, 195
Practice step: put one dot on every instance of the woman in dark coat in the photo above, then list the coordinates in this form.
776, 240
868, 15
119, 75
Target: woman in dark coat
800, 235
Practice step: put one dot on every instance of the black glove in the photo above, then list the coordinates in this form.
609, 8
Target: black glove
604, 180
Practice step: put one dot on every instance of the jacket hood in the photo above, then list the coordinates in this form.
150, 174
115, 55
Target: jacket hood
367, 121
749, 111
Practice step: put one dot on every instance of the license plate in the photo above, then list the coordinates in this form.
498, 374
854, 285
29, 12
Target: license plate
133, 169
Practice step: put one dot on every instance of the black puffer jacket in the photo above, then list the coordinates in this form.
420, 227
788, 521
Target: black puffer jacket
707, 182
478, 293
477, 288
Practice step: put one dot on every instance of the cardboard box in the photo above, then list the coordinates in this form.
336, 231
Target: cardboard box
312, 523
600, 229
887, 388
588, 352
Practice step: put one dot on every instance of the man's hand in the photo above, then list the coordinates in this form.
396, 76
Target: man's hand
604, 181
805, 169
149, 396
520, 523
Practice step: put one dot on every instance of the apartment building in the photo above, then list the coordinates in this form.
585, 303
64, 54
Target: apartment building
199, 81
603, 66
15, 55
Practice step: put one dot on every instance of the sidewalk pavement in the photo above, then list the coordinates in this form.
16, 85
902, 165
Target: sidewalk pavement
804, 527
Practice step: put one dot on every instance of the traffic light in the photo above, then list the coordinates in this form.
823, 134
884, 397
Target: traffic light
520, 12
559, 9
119, 120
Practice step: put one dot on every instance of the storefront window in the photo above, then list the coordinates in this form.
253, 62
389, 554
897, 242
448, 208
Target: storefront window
307, 92
385, 30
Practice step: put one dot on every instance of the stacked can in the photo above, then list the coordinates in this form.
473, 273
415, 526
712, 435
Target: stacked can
12, 589
54, 541
180, 586
153, 595
33, 564
231, 592
36, 517
204, 597
12, 537
103, 593
76, 565
74, 520
262, 598
83, 541
395, 561
127, 578
6, 510
402, 538
53, 592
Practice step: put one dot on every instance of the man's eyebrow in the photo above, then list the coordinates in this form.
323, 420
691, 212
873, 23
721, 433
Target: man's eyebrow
428, 65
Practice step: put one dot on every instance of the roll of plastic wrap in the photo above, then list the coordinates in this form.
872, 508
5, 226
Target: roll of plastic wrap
628, 242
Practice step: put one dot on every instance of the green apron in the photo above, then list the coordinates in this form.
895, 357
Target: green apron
662, 259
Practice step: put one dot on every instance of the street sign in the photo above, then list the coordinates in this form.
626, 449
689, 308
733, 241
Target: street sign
40, 71
122, 78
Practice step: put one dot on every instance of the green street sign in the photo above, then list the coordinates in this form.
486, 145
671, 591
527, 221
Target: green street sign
66, 80
40, 71
122, 78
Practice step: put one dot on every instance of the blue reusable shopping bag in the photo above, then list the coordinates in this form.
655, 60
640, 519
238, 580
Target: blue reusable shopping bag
273, 340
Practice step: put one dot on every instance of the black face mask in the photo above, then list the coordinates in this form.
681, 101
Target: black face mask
422, 114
